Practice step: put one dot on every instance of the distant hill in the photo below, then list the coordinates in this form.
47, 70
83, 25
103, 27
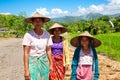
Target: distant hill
114, 15
81, 18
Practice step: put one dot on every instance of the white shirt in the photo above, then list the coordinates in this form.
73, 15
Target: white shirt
86, 59
37, 43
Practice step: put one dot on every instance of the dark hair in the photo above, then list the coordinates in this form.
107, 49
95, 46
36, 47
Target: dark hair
55, 28
80, 37
58, 28
39, 18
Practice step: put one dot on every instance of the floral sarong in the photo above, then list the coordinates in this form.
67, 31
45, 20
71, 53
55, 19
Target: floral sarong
39, 67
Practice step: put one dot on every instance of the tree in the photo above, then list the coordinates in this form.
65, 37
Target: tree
104, 18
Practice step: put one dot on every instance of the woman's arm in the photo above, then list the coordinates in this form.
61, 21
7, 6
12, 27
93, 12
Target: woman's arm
26, 62
95, 65
75, 61
66, 53
48, 50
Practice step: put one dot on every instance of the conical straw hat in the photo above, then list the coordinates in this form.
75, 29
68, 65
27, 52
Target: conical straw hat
56, 25
75, 41
37, 15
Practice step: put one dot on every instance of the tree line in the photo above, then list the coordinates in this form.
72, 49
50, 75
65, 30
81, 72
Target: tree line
15, 25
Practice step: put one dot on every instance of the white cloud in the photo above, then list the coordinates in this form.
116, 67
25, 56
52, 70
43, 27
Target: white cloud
95, 8
82, 10
6, 13
114, 1
112, 7
42, 11
91, 9
56, 12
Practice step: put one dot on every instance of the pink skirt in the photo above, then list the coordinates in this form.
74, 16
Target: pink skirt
84, 72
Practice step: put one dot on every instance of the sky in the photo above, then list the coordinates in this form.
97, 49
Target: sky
59, 8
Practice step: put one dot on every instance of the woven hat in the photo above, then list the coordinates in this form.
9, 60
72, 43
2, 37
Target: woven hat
56, 25
75, 41
37, 15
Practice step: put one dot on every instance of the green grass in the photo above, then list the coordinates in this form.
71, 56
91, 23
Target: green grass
110, 44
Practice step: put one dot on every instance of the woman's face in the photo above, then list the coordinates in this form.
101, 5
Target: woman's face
57, 31
37, 22
85, 41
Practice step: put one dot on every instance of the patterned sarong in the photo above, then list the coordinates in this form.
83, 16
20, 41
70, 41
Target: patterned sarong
58, 68
39, 67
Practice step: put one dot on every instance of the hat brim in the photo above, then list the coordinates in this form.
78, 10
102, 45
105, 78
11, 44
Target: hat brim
29, 20
63, 30
75, 41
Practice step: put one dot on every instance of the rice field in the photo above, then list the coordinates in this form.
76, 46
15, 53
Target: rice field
110, 45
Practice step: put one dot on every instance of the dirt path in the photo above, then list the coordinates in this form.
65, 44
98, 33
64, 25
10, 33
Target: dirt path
11, 62
109, 69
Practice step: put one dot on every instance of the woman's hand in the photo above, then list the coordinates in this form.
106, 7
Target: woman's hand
51, 68
49, 54
66, 67
27, 75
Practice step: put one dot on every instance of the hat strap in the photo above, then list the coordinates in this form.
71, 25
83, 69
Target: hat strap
91, 43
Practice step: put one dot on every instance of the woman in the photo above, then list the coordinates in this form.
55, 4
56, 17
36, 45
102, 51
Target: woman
37, 50
60, 55
85, 60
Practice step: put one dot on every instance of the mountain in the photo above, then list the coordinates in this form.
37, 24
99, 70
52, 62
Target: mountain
89, 16
77, 18
114, 15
